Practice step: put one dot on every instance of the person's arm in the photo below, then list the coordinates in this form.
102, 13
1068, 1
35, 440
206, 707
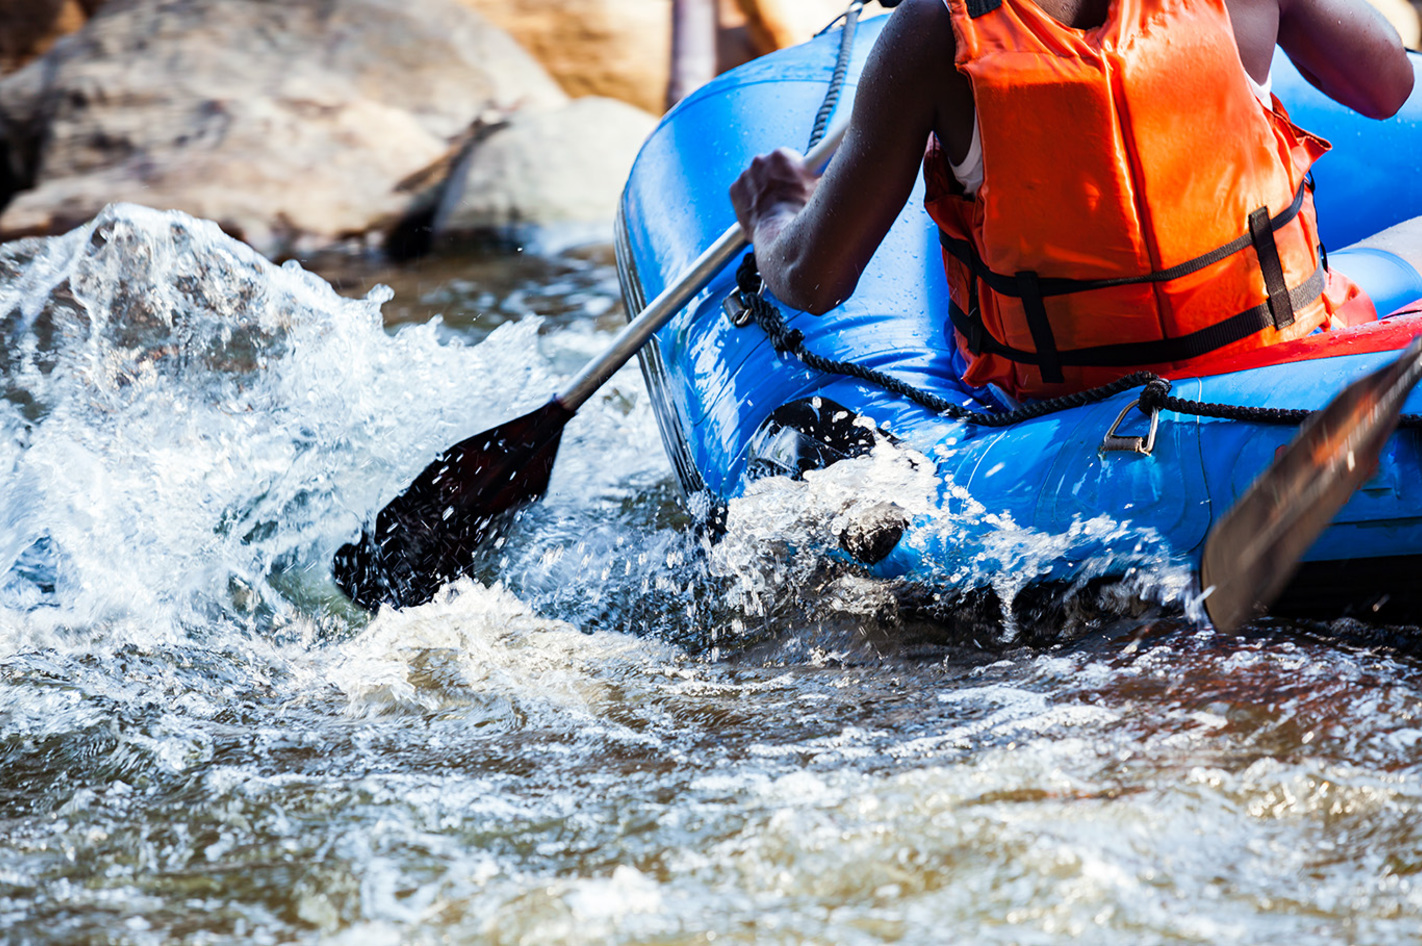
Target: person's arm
1349, 51
813, 238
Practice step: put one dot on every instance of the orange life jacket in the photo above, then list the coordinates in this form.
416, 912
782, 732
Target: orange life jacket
1140, 207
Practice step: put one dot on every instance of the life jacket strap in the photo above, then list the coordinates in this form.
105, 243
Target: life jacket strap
1043, 339
1262, 236
1277, 311
977, 8
1130, 354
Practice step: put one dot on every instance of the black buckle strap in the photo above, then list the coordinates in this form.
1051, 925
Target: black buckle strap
977, 8
976, 330
1129, 354
1262, 236
1042, 337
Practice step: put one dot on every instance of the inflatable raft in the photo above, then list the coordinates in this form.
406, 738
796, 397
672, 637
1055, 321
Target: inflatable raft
731, 407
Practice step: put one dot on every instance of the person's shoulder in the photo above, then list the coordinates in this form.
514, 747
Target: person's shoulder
927, 13
924, 27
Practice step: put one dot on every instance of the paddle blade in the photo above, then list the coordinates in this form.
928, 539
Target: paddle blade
428, 534
1252, 552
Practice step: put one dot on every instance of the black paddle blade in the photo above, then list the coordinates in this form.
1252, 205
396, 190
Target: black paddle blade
427, 536
1254, 550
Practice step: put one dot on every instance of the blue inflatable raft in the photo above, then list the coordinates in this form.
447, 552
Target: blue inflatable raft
730, 407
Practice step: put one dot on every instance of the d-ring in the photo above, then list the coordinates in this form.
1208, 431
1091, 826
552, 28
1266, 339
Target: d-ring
1131, 444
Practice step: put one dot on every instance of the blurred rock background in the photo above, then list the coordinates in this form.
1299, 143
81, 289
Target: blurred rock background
304, 125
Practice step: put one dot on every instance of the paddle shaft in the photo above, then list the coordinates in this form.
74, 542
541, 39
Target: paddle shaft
674, 298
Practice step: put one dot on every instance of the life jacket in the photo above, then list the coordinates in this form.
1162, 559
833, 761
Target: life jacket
1139, 208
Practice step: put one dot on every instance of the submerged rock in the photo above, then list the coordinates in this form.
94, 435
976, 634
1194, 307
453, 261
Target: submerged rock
549, 169
294, 124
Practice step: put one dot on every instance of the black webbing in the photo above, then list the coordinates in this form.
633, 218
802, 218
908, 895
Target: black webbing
1123, 355
977, 8
1281, 309
1048, 361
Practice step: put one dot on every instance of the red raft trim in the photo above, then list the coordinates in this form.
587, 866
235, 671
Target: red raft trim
1392, 333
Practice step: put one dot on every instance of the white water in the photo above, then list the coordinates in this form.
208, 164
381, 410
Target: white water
615, 731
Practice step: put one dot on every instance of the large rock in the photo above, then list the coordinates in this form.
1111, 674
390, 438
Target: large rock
615, 48
546, 170
622, 48
293, 123
778, 24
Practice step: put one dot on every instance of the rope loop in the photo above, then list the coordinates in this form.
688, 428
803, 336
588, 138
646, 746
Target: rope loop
789, 342
748, 276
1154, 396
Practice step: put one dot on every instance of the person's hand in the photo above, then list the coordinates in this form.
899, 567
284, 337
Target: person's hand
773, 188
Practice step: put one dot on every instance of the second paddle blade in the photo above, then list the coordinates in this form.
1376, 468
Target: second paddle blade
1253, 551
428, 534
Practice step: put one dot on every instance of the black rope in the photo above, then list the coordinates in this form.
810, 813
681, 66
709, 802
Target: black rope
1155, 395
841, 70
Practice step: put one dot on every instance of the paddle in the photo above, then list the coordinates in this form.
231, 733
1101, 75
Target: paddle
1253, 551
428, 535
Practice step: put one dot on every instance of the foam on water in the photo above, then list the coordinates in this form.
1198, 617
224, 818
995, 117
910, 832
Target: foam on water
477, 645
778, 531
189, 430
783, 533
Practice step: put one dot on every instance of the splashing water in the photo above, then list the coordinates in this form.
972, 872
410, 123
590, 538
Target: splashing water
189, 431
191, 424
201, 742
778, 531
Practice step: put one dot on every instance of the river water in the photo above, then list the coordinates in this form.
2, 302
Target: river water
615, 732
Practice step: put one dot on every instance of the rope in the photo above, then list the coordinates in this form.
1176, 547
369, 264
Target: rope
1155, 395
841, 70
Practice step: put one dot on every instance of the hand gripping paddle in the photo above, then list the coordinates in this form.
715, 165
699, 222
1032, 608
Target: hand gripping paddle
428, 535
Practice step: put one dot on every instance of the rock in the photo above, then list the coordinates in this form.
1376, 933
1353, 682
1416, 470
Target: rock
563, 168
621, 49
293, 124
28, 28
615, 48
778, 24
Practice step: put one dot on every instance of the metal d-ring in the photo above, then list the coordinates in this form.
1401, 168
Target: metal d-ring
736, 309
1131, 444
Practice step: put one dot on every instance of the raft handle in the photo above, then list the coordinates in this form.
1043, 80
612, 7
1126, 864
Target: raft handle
1131, 444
